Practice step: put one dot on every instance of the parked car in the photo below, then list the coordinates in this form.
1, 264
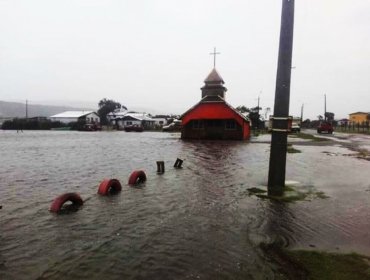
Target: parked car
90, 127
325, 126
133, 128
295, 128
174, 126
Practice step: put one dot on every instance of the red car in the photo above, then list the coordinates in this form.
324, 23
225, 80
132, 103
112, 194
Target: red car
325, 127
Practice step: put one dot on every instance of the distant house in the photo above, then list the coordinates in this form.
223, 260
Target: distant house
117, 114
212, 117
161, 120
343, 122
76, 116
359, 117
137, 119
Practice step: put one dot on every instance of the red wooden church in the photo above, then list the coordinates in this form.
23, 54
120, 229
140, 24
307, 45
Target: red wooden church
212, 117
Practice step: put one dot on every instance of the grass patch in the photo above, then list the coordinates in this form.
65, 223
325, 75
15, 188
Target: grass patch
323, 265
291, 194
321, 195
292, 150
311, 137
256, 190
363, 154
306, 264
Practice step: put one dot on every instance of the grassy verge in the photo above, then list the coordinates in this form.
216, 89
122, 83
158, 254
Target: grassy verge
305, 264
291, 194
292, 150
311, 137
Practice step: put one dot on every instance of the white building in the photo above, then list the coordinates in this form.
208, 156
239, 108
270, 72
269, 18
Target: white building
161, 120
75, 116
117, 114
137, 119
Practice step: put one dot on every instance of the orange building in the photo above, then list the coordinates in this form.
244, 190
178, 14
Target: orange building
212, 117
359, 117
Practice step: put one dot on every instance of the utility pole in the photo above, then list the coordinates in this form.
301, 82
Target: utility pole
302, 112
279, 137
258, 113
26, 109
325, 107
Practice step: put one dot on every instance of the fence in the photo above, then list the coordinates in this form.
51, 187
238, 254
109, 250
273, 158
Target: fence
354, 127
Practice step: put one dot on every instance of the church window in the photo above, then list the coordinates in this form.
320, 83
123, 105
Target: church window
230, 124
198, 124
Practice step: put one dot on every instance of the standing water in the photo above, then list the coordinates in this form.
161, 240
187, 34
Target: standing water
196, 222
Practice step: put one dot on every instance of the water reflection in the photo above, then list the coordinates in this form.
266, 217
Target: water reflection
279, 224
195, 222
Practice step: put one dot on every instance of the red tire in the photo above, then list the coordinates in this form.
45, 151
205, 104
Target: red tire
58, 202
137, 177
108, 185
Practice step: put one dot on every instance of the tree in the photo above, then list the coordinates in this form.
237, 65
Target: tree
329, 116
242, 109
107, 106
253, 115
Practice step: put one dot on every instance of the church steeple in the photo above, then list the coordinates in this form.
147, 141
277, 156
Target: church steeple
214, 85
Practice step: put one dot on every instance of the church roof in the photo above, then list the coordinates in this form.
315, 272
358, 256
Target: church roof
214, 77
214, 100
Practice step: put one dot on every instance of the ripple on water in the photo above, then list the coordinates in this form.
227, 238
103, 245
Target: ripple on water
196, 222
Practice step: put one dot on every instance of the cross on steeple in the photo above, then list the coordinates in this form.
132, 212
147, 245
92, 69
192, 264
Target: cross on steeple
214, 56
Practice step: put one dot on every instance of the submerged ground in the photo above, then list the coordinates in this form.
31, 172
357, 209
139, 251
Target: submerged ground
197, 222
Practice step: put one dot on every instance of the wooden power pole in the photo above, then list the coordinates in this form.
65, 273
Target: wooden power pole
277, 166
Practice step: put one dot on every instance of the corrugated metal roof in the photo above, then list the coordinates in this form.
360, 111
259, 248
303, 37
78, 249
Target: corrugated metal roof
72, 114
137, 116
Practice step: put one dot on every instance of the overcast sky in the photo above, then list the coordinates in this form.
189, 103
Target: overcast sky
155, 54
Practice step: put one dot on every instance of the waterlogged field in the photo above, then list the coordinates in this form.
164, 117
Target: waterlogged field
200, 221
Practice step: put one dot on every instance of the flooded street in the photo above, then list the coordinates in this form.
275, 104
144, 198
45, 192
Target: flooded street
198, 222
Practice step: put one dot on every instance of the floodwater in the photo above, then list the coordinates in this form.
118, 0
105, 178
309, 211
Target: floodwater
198, 222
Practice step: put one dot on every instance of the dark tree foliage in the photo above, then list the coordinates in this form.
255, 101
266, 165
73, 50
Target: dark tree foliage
31, 124
306, 123
242, 109
253, 115
107, 106
329, 116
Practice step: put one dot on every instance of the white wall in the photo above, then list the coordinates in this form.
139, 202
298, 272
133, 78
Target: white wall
64, 120
126, 123
92, 118
159, 120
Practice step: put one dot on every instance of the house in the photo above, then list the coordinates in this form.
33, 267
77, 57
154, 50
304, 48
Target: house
76, 116
343, 122
135, 119
359, 117
212, 117
119, 113
161, 120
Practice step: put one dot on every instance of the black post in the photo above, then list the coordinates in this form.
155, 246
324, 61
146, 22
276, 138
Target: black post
302, 113
324, 107
276, 180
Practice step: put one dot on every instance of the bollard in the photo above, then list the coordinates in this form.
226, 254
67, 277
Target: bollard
160, 167
178, 163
